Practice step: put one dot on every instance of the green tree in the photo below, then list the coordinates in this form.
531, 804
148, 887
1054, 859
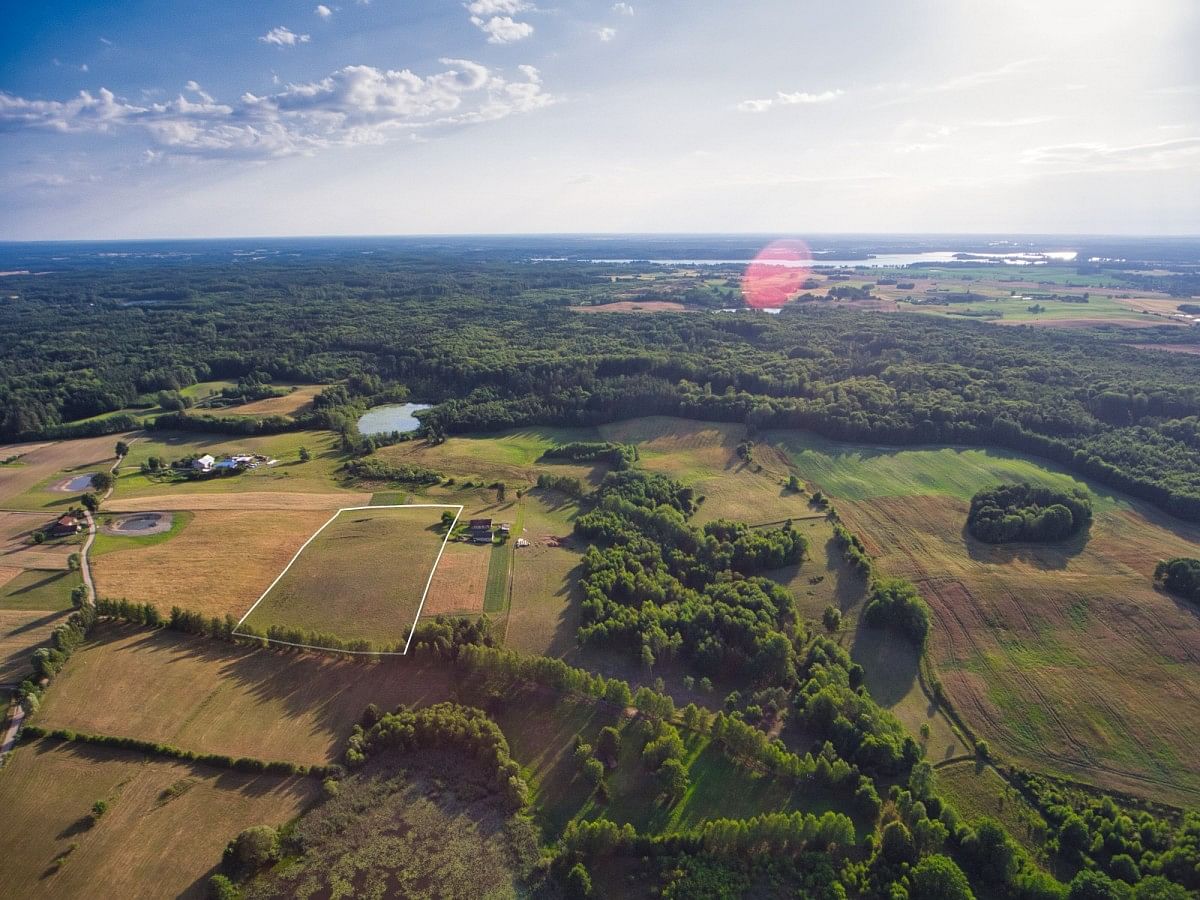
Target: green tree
102, 481
579, 883
897, 845
122, 449
938, 878
221, 888
831, 618
608, 745
90, 501
254, 848
38, 537
673, 777
305, 456
1090, 885
593, 771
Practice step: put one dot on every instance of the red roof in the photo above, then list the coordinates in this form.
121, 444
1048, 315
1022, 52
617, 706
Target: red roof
67, 520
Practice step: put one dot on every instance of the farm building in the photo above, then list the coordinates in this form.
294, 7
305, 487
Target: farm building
481, 531
64, 525
203, 463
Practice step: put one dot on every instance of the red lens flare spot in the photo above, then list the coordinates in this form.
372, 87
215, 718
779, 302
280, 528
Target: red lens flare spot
776, 274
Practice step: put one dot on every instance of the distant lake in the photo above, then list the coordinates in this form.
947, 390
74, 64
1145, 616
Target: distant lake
874, 260
392, 417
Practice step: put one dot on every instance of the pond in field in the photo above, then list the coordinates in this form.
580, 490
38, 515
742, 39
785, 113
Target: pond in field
78, 483
391, 417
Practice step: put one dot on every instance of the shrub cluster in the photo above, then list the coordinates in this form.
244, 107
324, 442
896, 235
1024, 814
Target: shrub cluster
619, 456
374, 469
1180, 576
896, 603
1026, 512
565, 484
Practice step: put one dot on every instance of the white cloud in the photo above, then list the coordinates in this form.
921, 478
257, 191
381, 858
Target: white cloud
606, 34
484, 8
495, 19
84, 68
105, 41
1096, 157
284, 37
323, 11
353, 105
622, 9
986, 76
783, 98
502, 29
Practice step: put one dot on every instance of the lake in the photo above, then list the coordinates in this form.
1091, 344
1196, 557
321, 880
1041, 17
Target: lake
391, 417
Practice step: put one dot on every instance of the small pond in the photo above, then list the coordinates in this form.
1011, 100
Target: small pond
399, 417
78, 483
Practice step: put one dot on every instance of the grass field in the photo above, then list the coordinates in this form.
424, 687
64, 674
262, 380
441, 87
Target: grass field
39, 589
316, 475
110, 543
362, 577
977, 790
1064, 657
545, 602
163, 834
507, 456
218, 564
703, 455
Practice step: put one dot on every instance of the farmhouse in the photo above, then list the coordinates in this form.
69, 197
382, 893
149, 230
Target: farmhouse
64, 525
481, 531
203, 463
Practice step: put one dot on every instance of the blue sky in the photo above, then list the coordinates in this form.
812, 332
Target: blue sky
440, 116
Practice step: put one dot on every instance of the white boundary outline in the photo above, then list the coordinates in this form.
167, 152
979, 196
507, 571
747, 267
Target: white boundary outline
313, 536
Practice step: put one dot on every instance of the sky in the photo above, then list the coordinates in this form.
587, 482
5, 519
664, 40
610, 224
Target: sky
155, 118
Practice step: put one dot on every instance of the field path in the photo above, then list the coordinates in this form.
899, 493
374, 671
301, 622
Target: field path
85, 566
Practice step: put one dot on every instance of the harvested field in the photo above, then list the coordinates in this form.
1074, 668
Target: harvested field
8, 573
245, 500
299, 400
21, 632
218, 565
220, 698
22, 485
361, 578
1063, 656
458, 585
164, 832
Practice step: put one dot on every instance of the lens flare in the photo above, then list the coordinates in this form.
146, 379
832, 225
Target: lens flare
776, 274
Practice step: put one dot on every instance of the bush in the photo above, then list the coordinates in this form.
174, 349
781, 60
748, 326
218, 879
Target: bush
578, 882
1180, 576
253, 849
221, 888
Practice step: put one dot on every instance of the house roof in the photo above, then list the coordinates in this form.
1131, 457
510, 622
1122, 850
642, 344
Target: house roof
481, 523
67, 519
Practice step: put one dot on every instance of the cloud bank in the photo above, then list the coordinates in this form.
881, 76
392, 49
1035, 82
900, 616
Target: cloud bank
351, 106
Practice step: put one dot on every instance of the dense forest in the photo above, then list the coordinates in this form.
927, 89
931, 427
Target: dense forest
496, 344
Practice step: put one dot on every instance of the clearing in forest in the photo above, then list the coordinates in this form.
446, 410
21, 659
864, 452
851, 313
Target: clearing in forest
361, 577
